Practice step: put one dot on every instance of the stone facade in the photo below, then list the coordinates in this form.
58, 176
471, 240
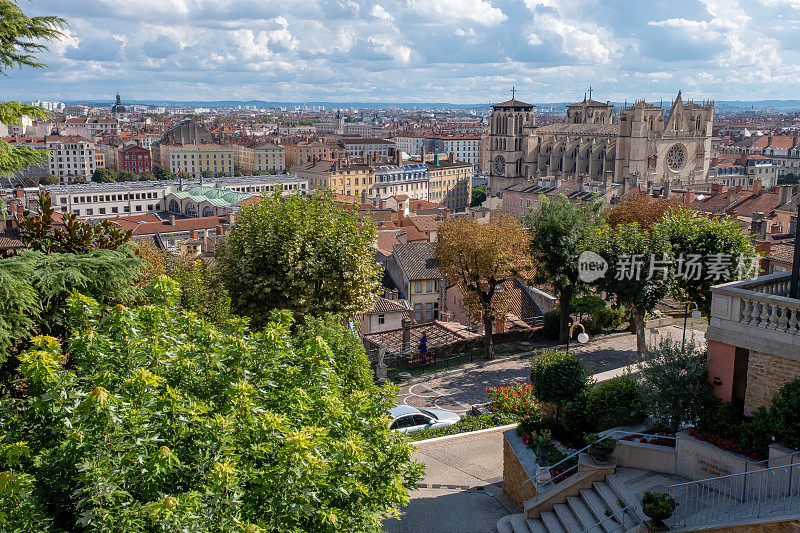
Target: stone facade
514, 473
648, 141
766, 374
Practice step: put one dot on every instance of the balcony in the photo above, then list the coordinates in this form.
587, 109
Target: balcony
759, 310
753, 340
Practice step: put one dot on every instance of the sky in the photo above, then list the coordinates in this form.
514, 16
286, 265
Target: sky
455, 51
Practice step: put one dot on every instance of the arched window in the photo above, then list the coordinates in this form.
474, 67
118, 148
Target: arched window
174, 207
191, 210
208, 211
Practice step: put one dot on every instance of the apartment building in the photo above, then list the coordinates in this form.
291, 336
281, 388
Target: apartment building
413, 270
410, 180
306, 152
743, 170
340, 176
133, 158
465, 147
449, 182
195, 158
410, 144
70, 155
34, 143
360, 147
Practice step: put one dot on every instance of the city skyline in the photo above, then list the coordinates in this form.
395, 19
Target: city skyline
417, 51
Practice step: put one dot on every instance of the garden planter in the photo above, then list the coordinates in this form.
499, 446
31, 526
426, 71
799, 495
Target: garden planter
543, 449
599, 454
657, 519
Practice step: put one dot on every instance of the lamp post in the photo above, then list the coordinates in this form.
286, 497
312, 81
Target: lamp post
695, 314
583, 338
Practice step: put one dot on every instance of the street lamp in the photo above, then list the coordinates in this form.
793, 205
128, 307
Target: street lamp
695, 314
583, 338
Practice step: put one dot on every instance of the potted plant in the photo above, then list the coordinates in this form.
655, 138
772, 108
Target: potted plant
658, 506
543, 442
600, 448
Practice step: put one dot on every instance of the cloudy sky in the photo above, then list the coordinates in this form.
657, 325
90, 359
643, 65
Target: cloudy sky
459, 51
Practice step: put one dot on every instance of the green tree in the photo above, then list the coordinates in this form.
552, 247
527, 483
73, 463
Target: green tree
49, 179
304, 253
126, 175
675, 386
147, 176
104, 175
183, 175
164, 422
80, 178
629, 249
163, 173
716, 241
478, 195
480, 258
40, 232
201, 290
557, 378
21, 38
207, 174
561, 231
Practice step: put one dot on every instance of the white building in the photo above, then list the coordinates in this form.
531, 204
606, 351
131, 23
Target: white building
70, 155
465, 147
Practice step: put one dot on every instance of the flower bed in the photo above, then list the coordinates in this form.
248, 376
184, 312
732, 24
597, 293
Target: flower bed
659, 439
724, 444
517, 400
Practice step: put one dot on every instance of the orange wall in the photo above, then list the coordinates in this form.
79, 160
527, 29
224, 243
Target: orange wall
721, 358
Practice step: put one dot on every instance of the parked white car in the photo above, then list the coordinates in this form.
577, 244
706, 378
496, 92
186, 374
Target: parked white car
410, 419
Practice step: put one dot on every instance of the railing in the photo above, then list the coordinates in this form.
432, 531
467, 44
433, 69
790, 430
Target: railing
561, 475
621, 524
764, 493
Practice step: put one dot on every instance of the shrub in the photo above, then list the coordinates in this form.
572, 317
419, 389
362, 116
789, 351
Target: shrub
675, 383
465, 425
605, 321
720, 418
517, 400
617, 402
551, 324
557, 377
575, 420
757, 433
785, 414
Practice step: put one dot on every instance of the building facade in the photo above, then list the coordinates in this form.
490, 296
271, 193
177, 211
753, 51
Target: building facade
134, 159
70, 156
649, 141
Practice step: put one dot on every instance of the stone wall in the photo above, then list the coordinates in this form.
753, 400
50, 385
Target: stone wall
519, 464
766, 374
646, 456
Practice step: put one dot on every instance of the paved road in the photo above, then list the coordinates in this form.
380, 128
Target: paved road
461, 492
458, 392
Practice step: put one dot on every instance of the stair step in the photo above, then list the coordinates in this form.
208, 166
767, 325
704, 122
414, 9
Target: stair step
611, 489
551, 523
504, 525
597, 507
581, 512
536, 526
608, 495
518, 524
566, 517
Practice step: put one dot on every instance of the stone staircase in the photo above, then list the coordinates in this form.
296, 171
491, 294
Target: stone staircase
579, 513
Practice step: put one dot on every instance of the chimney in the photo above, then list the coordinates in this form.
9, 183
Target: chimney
220, 230
19, 193
717, 188
422, 155
172, 220
364, 196
757, 186
689, 197
230, 218
784, 194
205, 241
452, 157
793, 225
193, 235
406, 324
758, 226
666, 189
387, 293
607, 179
649, 187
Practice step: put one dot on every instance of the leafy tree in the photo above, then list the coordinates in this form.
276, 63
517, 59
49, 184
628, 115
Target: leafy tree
303, 253
104, 175
561, 231
21, 37
207, 174
480, 258
629, 250
185, 176
201, 290
126, 175
589, 304
40, 232
49, 179
163, 173
675, 386
80, 178
147, 176
166, 423
642, 209
716, 241
34, 288
557, 378
478, 195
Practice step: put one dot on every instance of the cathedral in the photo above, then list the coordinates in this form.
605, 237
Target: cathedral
644, 141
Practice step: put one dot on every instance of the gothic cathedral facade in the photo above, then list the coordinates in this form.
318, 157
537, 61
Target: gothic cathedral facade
644, 141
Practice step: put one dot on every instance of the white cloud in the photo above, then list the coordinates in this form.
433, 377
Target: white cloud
478, 11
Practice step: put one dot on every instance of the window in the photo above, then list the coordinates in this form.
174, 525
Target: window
418, 287
429, 286
381, 319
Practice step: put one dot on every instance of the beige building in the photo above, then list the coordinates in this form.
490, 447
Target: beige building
413, 270
303, 153
70, 155
195, 158
341, 177
649, 141
449, 182
259, 157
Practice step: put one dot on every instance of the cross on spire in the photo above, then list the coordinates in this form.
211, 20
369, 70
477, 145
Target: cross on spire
590, 92
513, 91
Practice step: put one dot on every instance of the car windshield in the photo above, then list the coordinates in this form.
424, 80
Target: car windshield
429, 414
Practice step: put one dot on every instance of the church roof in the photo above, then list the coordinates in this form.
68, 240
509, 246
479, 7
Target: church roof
580, 129
590, 103
513, 103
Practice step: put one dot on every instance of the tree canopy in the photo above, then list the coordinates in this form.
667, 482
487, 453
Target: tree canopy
480, 258
304, 253
166, 423
561, 231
